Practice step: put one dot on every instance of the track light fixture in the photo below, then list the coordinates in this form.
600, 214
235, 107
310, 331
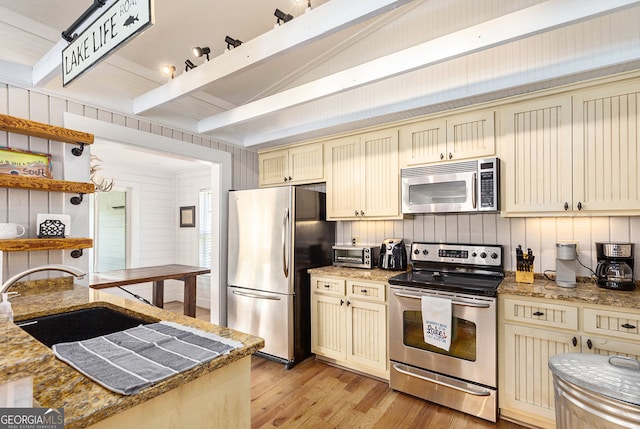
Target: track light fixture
188, 65
169, 70
198, 52
281, 16
230, 41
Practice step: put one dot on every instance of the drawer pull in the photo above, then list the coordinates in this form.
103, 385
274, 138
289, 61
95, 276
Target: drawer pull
574, 341
327, 286
628, 326
363, 291
538, 313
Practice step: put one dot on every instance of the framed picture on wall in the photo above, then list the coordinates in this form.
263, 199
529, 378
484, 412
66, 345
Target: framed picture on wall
187, 216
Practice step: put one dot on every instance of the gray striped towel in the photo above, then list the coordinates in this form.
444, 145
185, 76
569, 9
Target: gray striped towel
128, 361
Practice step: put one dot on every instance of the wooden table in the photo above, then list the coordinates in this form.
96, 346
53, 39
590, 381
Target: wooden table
157, 275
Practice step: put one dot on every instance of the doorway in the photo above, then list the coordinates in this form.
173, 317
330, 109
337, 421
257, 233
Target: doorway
112, 236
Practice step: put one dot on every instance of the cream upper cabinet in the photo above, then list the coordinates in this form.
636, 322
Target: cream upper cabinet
363, 177
606, 149
467, 135
295, 165
536, 155
573, 155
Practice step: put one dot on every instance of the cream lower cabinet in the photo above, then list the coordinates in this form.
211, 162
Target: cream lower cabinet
533, 330
349, 324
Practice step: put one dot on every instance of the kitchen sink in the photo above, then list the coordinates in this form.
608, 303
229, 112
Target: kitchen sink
79, 325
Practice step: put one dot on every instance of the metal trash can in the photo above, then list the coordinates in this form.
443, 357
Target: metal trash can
596, 391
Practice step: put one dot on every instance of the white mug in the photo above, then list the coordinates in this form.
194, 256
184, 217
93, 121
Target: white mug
10, 230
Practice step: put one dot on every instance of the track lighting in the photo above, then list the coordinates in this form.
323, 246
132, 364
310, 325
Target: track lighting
169, 70
281, 16
198, 52
230, 41
188, 65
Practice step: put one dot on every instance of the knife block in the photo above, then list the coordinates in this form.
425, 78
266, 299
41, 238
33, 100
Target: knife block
524, 276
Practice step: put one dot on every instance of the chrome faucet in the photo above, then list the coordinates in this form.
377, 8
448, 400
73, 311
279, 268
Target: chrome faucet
65, 268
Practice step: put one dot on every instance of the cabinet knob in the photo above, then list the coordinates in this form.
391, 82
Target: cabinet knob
628, 326
589, 344
566, 206
356, 212
341, 302
348, 303
574, 341
538, 313
579, 205
450, 155
290, 178
442, 156
361, 213
285, 178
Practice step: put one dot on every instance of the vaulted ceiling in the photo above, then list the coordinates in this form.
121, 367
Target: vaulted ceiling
337, 66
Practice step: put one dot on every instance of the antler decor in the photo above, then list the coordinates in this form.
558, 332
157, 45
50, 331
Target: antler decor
100, 182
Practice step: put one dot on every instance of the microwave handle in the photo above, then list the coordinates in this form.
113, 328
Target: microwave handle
474, 192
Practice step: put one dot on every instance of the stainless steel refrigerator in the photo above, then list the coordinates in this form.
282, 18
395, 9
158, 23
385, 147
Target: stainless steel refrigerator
275, 235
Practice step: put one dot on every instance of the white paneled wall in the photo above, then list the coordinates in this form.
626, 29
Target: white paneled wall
156, 194
540, 234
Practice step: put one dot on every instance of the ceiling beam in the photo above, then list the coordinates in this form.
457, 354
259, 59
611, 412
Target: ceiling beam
514, 26
312, 25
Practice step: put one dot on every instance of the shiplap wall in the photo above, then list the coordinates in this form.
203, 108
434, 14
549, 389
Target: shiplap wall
540, 234
22, 206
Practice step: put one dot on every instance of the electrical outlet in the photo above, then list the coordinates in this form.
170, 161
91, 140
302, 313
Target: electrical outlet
355, 240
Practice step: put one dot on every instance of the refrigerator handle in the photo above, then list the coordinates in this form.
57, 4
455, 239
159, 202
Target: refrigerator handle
285, 263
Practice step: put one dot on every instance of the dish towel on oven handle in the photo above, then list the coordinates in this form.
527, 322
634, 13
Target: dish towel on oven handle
436, 321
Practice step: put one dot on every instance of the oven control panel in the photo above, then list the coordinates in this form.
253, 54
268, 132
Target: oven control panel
462, 254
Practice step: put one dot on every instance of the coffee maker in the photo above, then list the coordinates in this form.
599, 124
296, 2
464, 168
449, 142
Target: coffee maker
615, 266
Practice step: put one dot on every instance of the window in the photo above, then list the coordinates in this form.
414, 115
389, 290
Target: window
204, 229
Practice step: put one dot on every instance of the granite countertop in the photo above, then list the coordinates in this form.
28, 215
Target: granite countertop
57, 385
375, 274
586, 291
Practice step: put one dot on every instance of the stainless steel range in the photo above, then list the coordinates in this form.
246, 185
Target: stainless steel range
465, 376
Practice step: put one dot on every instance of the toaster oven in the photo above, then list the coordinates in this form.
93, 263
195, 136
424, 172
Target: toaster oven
356, 256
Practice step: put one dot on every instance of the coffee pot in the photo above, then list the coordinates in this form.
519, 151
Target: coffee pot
615, 266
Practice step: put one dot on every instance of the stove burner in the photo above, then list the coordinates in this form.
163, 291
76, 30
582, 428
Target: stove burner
474, 285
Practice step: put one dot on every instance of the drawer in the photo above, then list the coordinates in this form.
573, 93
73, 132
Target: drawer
328, 285
369, 290
541, 313
612, 323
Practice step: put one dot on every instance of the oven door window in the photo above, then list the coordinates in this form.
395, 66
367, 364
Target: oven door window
463, 336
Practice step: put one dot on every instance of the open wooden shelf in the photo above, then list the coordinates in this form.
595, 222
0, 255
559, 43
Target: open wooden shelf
31, 244
38, 129
44, 184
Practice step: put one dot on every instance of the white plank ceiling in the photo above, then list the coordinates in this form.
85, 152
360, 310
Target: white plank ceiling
337, 66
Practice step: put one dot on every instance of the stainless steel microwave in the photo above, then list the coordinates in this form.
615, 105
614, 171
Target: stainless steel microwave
356, 256
453, 187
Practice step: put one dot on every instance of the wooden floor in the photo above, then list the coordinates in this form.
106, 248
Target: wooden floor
316, 395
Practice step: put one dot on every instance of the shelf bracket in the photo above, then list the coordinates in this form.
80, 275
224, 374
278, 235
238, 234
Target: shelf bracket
77, 151
76, 253
77, 200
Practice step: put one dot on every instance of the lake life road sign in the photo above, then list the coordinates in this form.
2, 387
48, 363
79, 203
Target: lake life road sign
122, 21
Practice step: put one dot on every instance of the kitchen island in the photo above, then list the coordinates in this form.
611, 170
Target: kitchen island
214, 394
